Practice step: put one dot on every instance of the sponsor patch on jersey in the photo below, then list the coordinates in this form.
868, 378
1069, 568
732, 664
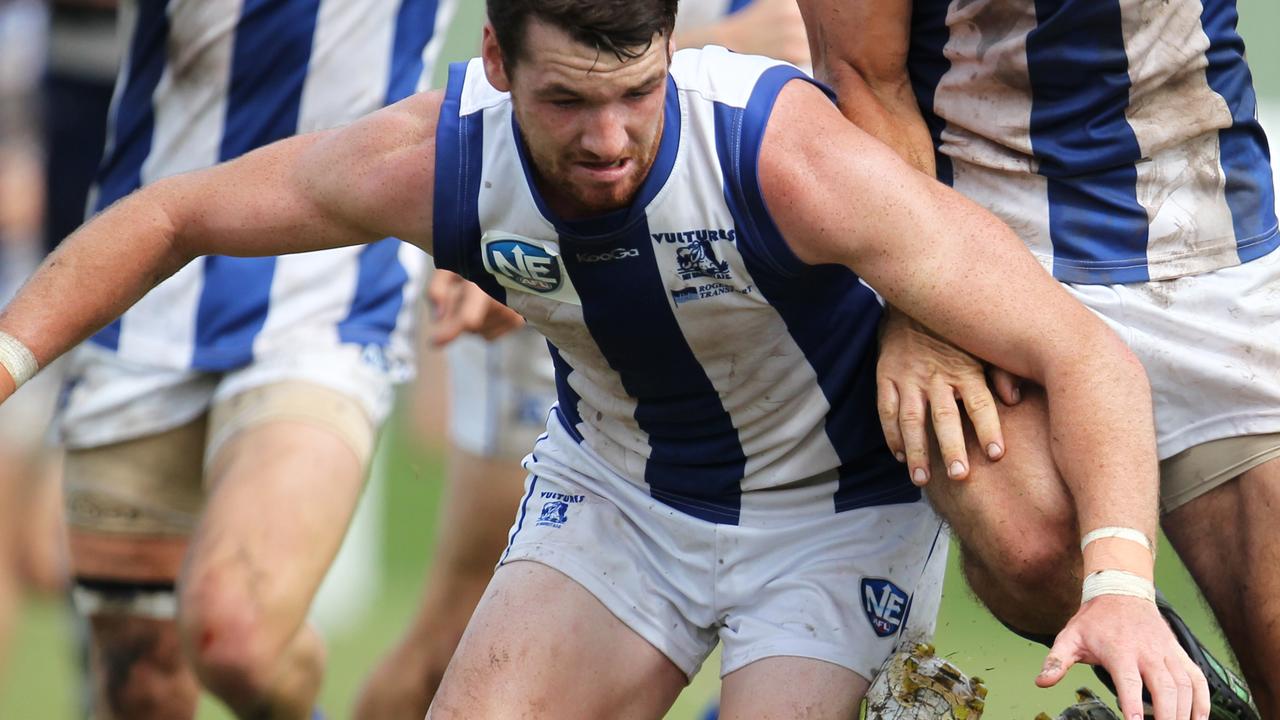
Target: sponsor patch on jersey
698, 259
885, 605
607, 255
528, 265
555, 509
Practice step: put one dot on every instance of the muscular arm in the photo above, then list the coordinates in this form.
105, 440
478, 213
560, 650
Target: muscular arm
859, 49
348, 186
964, 274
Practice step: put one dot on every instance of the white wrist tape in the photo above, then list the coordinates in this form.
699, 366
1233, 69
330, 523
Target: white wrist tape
1117, 582
17, 359
1123, 533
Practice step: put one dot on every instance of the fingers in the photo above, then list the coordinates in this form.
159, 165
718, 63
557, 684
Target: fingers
1200, 700
946, 426
981, 408
1128, 690
1007, 386
1183, 688
887, 408
911, 419
1064, 654
1164, 691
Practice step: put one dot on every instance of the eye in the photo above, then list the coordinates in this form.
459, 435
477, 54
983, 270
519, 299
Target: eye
566, 103
639, 94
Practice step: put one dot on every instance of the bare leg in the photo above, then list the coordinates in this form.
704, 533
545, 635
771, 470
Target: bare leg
791, 687
1230, 541
480, 501
1015, 524
282, 494
541, 646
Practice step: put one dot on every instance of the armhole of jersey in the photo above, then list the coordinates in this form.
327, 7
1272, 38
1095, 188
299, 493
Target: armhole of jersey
739, 135
459, 145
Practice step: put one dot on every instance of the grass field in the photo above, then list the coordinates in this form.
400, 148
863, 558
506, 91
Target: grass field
41, 681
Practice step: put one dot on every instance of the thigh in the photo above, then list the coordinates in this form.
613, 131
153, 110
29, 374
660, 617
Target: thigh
1006, 502
283, 483
791, 688
541, 646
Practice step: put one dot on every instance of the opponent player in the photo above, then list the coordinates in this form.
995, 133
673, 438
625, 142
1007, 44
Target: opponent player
501, 391
218, 432
713, 467
1120, 140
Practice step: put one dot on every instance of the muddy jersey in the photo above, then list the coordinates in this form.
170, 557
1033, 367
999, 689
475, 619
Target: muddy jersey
1119, 138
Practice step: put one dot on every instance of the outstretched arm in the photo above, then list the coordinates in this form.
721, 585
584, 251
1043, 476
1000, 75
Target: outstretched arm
347, 186
851, 200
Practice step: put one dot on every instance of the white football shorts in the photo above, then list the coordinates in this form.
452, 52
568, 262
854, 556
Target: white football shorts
805, 582
500, 392
1211, 347
107, 400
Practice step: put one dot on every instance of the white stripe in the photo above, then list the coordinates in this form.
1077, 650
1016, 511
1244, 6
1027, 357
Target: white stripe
350, 63
1182, 184
190, 108
985, 92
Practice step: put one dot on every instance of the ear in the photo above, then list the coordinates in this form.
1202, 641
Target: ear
495, 68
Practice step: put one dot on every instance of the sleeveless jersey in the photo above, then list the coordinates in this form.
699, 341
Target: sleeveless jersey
1119, 138
205, 81
694, 352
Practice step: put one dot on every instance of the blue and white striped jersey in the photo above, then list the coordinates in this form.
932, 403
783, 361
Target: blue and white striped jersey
205, 81
1118, 137
694, 352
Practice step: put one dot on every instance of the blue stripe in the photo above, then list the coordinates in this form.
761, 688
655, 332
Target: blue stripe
268, 71
1098, 228
459, 161
736, 5
134, 123
566, 397
927, 63
696, 462
379, 295
524, 509
1243, 148
415, 24
832, 317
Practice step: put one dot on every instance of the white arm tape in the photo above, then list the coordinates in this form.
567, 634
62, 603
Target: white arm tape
17, 359
1123, 533
1117, 582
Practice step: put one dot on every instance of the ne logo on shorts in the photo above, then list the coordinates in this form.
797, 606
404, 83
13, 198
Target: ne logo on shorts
885, 605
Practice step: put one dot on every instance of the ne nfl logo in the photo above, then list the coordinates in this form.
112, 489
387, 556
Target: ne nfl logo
525, 263
885, 605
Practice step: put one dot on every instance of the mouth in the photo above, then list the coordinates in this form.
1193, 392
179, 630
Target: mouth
604, 172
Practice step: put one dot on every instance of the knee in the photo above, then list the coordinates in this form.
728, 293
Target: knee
232, 648
1037, 557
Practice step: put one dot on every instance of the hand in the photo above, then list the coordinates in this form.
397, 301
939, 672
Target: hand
769, 27
460, 306
1129, 638
916, 373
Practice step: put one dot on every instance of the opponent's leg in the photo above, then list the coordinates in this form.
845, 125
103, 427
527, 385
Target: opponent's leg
130, 507
1015, 524
1230, 541
281, 493
541, 646
791, 687
480, 498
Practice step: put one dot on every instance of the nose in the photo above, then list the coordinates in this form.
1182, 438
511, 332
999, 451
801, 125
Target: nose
605, 134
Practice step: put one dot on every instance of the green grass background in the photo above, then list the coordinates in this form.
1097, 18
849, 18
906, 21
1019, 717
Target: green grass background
41, 681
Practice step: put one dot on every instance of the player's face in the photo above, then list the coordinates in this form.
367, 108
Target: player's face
591, 122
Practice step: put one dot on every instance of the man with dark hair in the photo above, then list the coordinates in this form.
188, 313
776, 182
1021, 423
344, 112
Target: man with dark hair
713, 470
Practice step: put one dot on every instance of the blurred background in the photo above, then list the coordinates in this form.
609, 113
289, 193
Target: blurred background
366, 604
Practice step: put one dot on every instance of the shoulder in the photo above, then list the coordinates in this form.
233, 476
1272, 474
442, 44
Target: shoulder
725, 77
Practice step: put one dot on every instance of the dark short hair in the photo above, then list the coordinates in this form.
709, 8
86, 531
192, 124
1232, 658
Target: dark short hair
623, 28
